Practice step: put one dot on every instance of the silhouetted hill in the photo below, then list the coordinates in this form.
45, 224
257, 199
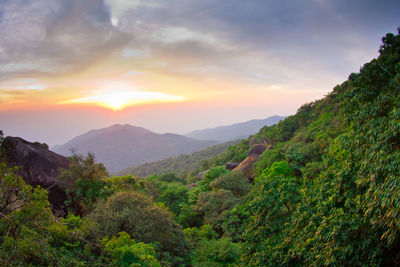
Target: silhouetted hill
122, 146
234, 131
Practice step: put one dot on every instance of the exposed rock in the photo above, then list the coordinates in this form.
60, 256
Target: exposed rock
189, 186
37, 166
257, 149
231, 165
252, 141
267, 144
200, 175
246, 167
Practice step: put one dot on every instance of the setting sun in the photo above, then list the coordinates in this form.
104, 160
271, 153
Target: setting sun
118, 95
115, 100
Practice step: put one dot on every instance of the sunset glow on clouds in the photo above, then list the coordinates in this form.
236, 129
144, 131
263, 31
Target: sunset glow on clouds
118, 95
240, 59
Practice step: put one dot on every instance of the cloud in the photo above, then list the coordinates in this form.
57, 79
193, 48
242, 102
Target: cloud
120, 7
55, 37
22, 84
118, 96
225, 61
170, 35
132, 53
255, 42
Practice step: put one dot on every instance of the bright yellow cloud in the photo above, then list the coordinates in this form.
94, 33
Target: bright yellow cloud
116, 97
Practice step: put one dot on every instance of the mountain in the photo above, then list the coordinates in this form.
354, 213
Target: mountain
122, 146
234, 131
182, 164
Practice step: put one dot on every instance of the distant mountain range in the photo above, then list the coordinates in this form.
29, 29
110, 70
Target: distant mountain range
122, 146
125, 146
234, 131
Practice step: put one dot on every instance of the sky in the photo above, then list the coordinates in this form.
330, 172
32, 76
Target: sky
68, 66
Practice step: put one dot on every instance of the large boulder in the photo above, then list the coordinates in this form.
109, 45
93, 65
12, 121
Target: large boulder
246, 167
37, 166
257, 149
231, 165
200, 175
252, 141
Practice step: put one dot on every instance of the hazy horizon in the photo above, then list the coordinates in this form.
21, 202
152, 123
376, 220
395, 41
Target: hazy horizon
67, 67
85, 130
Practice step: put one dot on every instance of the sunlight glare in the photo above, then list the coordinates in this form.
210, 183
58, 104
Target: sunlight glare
119, 96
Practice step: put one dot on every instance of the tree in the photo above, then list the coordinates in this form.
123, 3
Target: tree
84, 182
221, 252
127, 252
24, 216
213, 204
234, 182
207, 250
204, 185
189, 216
138, 216
1, 142
174, 195
276, 196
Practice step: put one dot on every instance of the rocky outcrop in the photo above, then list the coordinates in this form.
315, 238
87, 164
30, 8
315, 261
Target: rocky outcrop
190, 186
246, 167
257, 149
252, 141
200, 175
37, 166
231, 165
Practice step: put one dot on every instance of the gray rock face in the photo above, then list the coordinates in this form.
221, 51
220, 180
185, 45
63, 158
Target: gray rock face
257, 149
200, 175
37, 166
231, 165
246, 167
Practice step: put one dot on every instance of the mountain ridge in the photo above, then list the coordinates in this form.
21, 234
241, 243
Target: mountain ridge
234, 131
122, 146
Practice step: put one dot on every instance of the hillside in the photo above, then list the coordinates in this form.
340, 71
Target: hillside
182, 165
234, 131
122, 146
327, 192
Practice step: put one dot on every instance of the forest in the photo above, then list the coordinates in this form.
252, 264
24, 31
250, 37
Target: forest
325, 192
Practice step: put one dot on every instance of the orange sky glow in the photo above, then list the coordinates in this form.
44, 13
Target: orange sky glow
170, 66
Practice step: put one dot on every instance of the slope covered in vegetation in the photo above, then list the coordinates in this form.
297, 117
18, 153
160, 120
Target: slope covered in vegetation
183, 165
325, 193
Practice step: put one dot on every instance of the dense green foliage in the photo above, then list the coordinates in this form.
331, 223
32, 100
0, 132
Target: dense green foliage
127, 252
133, 213
325, 193
84, 182
339, 203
